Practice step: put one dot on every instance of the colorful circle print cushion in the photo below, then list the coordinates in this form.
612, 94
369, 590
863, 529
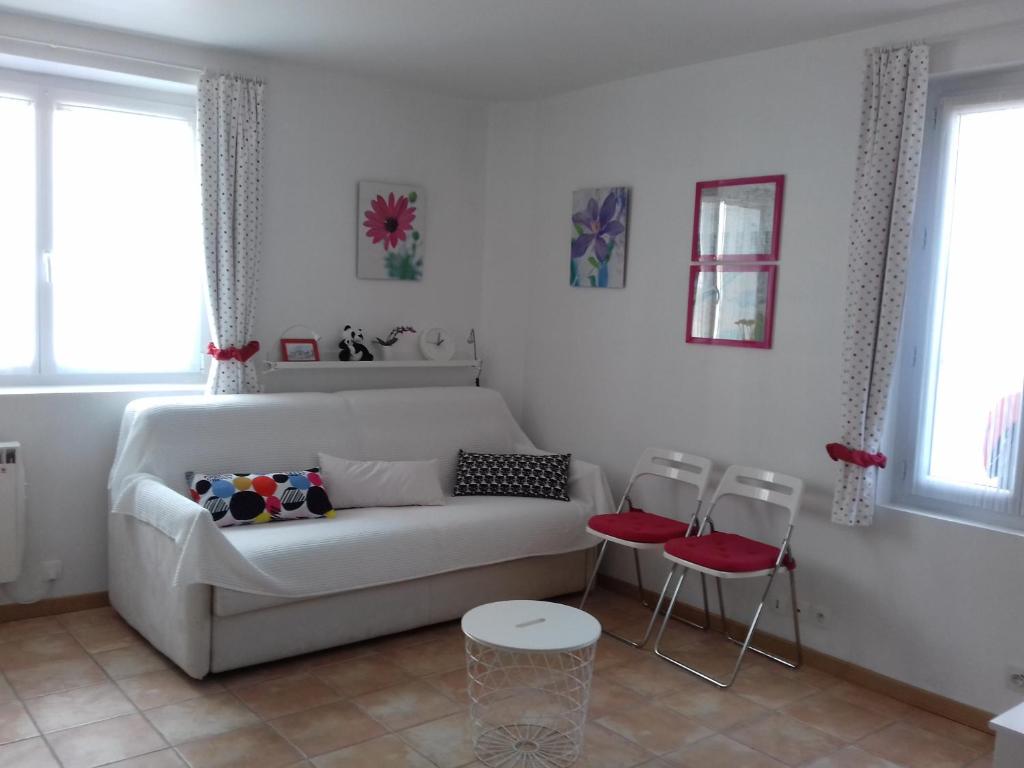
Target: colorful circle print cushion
243, 498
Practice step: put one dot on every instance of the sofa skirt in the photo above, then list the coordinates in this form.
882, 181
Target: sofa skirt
302, 626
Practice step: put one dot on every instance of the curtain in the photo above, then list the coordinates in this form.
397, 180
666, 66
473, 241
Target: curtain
231, 148
888, 160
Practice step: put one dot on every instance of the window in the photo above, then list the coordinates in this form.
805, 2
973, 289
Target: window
956, 432
100, 244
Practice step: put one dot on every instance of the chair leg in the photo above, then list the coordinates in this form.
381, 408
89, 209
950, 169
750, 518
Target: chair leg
593, 575
760, 651
721, 607
657, 608
639, 579
796, 621
654, 617
745, 645
645, 604
707, 611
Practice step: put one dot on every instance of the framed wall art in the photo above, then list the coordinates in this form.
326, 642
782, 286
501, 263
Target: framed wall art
732, 304
391, 235
734, 261
300, 351
738, 219
600, 220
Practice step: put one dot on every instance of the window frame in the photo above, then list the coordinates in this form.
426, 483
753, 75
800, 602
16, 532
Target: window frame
47, 92
905, 484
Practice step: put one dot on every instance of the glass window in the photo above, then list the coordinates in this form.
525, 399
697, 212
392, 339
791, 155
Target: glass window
18, 234
102, 249
959, 399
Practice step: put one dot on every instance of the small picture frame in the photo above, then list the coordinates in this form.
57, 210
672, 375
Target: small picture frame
731, 305
300, 351
738, 219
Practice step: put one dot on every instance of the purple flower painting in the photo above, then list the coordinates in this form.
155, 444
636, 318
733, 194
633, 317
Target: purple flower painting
599, 221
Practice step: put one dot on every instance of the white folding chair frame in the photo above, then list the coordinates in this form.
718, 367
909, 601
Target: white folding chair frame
672, 465
774, 489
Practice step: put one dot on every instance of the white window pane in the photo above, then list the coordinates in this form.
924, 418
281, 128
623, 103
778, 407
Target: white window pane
979, 371
127, 264
18, 234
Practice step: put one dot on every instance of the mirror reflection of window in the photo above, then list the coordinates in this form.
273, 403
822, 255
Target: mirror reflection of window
730, 305
737, 220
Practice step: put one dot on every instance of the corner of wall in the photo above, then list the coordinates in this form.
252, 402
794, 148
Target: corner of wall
509, 246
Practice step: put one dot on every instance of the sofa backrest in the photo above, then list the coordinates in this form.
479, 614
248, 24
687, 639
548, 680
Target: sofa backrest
168, 437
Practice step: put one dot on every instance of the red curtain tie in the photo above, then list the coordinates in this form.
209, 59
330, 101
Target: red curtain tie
233, 353
840, 452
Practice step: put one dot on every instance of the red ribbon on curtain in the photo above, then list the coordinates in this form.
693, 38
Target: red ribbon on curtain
233, 353
840, 452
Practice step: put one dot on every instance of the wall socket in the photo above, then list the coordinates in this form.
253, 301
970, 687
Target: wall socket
820, 615
52, 569
1015, 679
778, 604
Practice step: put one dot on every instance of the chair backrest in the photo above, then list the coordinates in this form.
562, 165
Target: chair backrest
672, 465
764, 485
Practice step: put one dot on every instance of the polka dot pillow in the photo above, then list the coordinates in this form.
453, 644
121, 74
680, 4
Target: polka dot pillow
245, 498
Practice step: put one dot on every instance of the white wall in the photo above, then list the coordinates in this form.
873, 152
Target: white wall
606, 372
325, 131
68, 441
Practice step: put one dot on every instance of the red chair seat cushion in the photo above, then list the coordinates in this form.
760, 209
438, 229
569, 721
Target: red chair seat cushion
638, 526
727, 552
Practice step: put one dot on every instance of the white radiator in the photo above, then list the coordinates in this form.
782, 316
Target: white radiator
12, 511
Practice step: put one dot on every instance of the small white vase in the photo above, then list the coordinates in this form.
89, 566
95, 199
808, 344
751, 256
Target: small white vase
385, 352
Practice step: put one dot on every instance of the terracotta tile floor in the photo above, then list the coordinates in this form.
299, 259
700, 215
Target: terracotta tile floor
84, 690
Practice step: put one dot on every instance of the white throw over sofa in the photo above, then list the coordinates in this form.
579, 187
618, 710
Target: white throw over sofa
214, 599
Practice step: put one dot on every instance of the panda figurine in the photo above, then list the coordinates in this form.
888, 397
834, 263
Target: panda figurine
351, 346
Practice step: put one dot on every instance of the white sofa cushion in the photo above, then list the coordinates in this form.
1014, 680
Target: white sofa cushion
381, 483
369, 546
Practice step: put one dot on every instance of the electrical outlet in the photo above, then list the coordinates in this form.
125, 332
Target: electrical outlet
52, 569
1015, 679
822, 615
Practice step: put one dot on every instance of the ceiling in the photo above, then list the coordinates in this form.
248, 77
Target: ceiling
491, 49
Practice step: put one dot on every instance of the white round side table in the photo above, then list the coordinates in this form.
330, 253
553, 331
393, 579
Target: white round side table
529, 665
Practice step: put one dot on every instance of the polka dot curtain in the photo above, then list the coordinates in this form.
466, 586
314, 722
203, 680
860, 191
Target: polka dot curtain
888, 160
231, 163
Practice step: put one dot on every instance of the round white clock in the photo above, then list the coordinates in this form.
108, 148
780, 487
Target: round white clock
437, 344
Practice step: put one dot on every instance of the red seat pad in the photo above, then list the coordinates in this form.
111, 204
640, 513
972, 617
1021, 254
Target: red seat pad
639, 526
727, 552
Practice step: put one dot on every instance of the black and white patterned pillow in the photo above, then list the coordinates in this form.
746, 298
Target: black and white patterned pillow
513, 474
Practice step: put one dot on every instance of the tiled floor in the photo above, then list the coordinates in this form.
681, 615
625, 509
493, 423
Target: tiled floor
83, 690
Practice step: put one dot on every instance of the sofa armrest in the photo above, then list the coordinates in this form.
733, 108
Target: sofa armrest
149, 500
175, 619
587, 482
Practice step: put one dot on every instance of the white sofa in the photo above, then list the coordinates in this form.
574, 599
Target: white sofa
214, 599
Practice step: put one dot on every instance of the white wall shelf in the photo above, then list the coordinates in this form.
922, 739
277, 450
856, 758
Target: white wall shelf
328, 365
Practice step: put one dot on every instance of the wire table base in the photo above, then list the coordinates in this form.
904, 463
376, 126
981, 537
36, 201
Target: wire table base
523, 745
528, 709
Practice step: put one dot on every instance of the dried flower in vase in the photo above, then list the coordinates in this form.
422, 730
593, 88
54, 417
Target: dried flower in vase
393, 335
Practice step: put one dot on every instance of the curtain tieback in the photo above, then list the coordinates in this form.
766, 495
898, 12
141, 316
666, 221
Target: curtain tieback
233, 353
840, 452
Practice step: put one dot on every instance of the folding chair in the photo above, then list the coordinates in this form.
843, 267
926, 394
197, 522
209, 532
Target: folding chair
640, 530
731, 556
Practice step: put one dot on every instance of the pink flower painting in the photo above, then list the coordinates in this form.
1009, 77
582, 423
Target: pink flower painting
391, 232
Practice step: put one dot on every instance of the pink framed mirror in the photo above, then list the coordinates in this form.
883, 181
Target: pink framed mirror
738, 219
731, 304
733, 272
